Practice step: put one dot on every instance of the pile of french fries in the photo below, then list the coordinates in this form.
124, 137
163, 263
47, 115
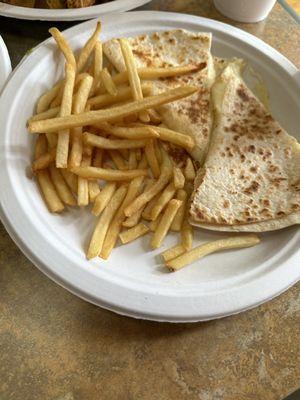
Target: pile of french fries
101, 142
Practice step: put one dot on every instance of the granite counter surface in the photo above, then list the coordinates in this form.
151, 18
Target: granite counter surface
55, 346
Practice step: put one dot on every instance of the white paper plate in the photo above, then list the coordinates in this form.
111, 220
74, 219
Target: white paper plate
74, 14
133, 282
5, 65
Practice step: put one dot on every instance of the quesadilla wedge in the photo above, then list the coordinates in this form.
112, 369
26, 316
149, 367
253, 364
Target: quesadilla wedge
169, 49
251, 177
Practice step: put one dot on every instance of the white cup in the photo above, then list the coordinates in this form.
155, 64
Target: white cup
245, 10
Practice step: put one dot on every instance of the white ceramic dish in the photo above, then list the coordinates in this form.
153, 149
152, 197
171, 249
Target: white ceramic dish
5, 64
75, 14
133, 282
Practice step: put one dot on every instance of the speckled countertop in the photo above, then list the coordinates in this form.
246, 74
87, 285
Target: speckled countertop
54, 346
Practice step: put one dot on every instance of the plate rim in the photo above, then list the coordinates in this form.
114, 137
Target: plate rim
113, 6
87, 296
5, 62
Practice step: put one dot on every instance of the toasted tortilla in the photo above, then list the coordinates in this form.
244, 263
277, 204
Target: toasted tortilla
169, 49
251, 177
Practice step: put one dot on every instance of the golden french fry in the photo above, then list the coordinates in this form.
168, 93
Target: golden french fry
71, 179
79, 104
108, 83
158, 152
46, 98
123, 94
153, 73
98, 65
116, 225
129, 132
118, 160
151, 158
187, 234
174, 137
112, 144
98, 158
103, 198
132, 162
235, 242
165, 223
44, 160
154, 224
62, 148
41, 146
88, 48
173, 252
155, 118
61, 187
47, 188
133, 233
50, 113
134, 219
178, 178
94, 190
133, 76
178, 219
163, 200
64, 46
144, 198
98, 238
83, 185
94, 117
149, 206
189, 170
108, 174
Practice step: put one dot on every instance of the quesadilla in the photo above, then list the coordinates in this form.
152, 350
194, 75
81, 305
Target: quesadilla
169, 49
251, 177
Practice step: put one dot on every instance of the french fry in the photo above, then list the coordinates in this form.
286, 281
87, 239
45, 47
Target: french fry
83, 184
149, 206
178, 219
163, 200
47, 188
132, 162
165, 223
187, 234
144, 198
50, 113
123, 94
189, 170
104, 221
46, 98
94, 117
133, 76
178, 178
153, 73
64, 46
158, 152
108, 83
94, 190
154, 224
235, 242
98, 65
71, 179
133, 233
108, 174
129, 132
79, 105
44, 160
88, 48
117, 144
41, 146
118, 160
155, 118
62, 149
151, 158
116, 225
61, 187
174, 137
98, 158
103, 198
173, 252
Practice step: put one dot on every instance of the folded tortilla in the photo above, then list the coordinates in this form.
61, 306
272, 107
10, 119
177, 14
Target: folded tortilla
251, 177
169, 49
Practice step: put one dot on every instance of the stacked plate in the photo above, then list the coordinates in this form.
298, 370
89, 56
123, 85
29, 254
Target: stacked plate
132, 282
